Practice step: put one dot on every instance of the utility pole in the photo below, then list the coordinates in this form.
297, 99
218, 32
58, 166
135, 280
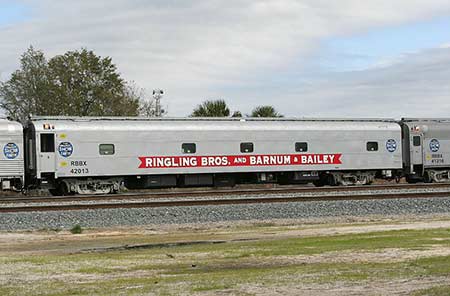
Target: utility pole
157, 95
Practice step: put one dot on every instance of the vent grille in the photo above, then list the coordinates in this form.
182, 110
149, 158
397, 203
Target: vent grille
11, 167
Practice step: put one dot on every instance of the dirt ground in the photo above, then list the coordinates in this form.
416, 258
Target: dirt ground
49, 257
47, 241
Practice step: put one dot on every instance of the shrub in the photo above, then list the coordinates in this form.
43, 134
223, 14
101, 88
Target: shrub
76, 229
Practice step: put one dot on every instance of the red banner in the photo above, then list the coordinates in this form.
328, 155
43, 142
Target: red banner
153, 162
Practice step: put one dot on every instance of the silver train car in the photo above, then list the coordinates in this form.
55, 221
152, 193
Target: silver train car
426, 149
11, 156
101, 155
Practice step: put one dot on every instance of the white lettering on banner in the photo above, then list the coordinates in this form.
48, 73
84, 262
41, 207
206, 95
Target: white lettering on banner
270, 160
233, 160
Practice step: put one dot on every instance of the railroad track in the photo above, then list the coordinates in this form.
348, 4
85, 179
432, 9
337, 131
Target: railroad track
269, 198
216, 192
220, 192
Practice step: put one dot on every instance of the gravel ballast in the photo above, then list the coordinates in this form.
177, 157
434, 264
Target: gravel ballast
223, 213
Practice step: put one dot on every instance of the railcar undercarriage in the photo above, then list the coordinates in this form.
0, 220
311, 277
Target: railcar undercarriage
82, 186
87, 186
437, 176
345, 178
13, 184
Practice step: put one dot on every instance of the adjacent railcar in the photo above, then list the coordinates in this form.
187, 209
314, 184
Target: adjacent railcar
11, 156
99, 155
426, 149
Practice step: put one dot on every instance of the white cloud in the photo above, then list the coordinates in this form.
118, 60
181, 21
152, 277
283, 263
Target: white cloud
203, 49
414, 86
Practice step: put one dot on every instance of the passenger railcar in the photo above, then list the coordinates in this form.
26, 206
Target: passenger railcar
99, 155
426, 149
11, 156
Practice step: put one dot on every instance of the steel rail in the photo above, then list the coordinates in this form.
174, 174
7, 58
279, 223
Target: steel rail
219, 192
215, 202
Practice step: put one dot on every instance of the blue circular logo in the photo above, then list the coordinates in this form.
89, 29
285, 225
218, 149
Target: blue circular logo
65, 149
11, 150
391, 145
434, 145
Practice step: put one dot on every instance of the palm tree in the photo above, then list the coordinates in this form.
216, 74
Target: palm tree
265, 111
237, 114
211, 108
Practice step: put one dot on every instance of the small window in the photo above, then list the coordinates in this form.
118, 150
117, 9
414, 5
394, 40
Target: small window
246, 147
47, 143
188, 148
416, 140
106, 149
301, 147
372, 146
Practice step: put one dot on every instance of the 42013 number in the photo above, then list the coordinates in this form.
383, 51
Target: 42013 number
79, 171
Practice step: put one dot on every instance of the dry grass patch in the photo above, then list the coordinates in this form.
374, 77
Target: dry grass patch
231, 260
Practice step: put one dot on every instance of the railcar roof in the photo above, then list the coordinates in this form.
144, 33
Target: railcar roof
283, 119
10, 126
441, 120
208, 124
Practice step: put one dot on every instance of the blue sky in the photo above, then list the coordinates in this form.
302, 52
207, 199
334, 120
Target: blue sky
368, 49
11, 13
357, 52
302, 56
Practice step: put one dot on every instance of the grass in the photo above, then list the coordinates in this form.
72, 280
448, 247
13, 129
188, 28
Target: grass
215, 267
76, 229
434, 291
174, 281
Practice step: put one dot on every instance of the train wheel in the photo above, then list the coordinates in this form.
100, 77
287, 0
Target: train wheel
318, 183
331, 180
427, 178
54, 192
63, 189
411, 180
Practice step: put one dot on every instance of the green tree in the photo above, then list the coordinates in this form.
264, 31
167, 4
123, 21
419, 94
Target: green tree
89, 85
211, 108
28, 90
78, 83
265, 111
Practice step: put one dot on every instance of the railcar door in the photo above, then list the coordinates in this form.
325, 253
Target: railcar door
417, 152
47, 153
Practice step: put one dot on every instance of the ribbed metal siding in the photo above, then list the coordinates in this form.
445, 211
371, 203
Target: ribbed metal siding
11, 168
